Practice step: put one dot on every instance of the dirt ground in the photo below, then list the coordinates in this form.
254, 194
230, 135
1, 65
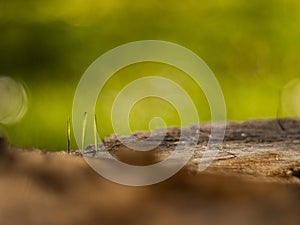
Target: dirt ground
255, 179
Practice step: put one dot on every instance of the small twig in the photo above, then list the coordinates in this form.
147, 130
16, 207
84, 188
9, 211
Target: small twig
279, 121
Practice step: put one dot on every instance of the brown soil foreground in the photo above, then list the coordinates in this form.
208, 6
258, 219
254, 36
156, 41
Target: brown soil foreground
255, 179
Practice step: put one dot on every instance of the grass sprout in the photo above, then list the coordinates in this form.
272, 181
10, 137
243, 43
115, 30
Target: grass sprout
95, 133
83, 131
68, 134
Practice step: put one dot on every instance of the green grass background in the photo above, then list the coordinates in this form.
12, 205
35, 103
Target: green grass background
251, 46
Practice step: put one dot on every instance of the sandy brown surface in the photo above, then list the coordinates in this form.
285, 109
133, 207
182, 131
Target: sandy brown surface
254, 180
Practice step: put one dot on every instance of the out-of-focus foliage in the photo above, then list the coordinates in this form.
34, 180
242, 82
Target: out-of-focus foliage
252, 47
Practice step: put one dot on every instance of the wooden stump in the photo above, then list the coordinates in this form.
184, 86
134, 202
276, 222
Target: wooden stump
254, 179
261, 150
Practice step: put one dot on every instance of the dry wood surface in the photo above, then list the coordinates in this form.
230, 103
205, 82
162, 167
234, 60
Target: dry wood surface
254, 179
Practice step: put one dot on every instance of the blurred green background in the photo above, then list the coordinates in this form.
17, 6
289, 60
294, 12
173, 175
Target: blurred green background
251, 46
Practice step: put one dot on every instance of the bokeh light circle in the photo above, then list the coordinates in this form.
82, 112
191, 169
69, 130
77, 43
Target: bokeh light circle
165, 89
13, 100
107, 65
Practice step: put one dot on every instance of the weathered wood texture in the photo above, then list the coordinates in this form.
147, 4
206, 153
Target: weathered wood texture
253, 180
262, 149
267, 150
